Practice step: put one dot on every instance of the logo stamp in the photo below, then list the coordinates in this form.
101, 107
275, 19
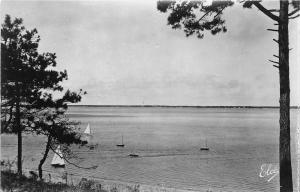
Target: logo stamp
268, 171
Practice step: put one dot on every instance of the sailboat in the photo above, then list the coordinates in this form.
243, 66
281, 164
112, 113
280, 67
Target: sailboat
88, 136
88, 129
205, 148
88, 133
121, 145
58, 160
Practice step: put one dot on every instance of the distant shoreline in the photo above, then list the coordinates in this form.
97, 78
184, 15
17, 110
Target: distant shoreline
184, 106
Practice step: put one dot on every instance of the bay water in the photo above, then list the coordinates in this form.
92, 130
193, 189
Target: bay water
243, 144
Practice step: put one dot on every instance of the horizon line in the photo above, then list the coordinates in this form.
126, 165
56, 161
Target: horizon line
186, 106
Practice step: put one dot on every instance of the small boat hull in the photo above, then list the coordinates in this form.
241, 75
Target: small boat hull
58, 166
204, 149
92, 147
133, 155
120, 145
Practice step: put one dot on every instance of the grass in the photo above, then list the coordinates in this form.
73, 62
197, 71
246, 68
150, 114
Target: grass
11, 182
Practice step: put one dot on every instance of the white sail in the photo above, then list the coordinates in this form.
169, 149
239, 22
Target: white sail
87, 130
57, 159
87, 134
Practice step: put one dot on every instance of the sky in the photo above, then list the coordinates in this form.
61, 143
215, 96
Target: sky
124, 53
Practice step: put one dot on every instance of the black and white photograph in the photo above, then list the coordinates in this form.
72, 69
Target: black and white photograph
150, 96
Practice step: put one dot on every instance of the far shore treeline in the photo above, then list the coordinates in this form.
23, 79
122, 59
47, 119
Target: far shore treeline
187, 106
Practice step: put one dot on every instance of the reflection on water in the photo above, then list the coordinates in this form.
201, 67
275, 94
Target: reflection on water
168, 142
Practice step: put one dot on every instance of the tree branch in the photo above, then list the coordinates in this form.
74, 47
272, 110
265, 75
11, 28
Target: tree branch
273, 10
273, 61
276, 66
276, 56
219, 12
293, 12
265, 11
273, 30
203, 16
276, 41
294, 16
10, 117
93, 167
3, 104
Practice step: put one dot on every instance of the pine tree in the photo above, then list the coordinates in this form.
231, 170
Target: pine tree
195, 17
28, 81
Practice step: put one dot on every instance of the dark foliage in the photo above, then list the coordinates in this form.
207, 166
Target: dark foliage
25, 74
194, 17
29, 77
29, 82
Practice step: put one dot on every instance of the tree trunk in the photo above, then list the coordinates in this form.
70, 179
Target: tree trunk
286, 182
44, 158
19, 130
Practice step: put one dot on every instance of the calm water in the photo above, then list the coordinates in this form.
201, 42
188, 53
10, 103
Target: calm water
168, 142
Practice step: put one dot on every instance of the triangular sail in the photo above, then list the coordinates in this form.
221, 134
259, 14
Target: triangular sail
57, 159
88, 130
88, 134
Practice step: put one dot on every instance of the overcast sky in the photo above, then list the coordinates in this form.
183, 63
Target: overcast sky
123, 52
